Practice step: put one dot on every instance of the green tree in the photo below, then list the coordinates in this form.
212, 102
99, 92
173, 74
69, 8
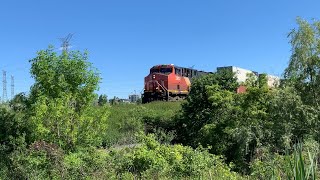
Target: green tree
61, 97
237, 122
19, 102
234, 125
12, 125
291, 120
198, 109
304, 67
103, 100
114, 100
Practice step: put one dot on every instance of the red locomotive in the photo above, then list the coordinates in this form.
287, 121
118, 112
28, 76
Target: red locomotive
168, 82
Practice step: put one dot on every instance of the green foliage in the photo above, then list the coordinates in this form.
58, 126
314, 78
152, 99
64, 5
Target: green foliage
61, 100
66, 74
238, 126
291, 119
127, 119
40, 161
251, 80
47, 161
156, 161
114, 101
19, 102
88, 163
12, 124
303, 70
301, 164
235, 128
161, 115
13, 128
149, 160
103, 100
197, 111
298, 166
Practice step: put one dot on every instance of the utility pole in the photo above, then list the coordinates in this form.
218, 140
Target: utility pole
12, 87
4, 88
66, 42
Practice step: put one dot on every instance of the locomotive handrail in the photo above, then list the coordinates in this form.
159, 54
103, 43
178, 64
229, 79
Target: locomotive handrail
161, 85
163, 88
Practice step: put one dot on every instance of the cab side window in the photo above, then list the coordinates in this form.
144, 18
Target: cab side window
177, 71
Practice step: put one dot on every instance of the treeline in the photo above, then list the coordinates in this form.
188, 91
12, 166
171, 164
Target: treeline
59, 131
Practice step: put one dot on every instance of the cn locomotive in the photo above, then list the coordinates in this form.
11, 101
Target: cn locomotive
168, 83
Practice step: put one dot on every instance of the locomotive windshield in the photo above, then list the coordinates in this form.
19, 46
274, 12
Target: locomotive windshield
161, 70
166, 70
154, 70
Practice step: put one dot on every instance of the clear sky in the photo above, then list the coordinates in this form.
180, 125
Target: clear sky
126, 37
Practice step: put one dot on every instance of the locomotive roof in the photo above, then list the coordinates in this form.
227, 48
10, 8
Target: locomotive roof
169, 65
162, 65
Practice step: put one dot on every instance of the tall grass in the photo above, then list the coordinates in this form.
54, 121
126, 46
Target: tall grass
299, 165
127, 119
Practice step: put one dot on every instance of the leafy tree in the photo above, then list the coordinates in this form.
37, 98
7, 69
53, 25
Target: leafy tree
61, 96
304, 66
290, 119
303, 73
262, 81
235, 129
12, 136
114, 100
66, 74
19, 102
251, 80
234, 125
103, 100
224, 114
11, 125
239, 126
197, 111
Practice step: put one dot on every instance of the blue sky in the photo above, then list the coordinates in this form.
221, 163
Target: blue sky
126, 37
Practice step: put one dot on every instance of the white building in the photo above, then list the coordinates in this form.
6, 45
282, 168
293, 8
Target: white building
240, 73
134, 98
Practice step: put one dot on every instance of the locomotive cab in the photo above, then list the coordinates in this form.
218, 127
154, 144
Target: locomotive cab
166, 82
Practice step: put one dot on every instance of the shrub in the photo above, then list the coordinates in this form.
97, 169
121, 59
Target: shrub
156, 161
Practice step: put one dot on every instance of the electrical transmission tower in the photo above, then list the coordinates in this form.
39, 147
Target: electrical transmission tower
4, 90
12, 87
66, 42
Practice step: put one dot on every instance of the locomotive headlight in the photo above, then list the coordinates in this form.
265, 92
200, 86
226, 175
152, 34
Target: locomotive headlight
153, 76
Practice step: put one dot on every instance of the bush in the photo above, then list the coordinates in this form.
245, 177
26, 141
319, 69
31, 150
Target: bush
40, 161
89, 163
43, 160
152, 160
